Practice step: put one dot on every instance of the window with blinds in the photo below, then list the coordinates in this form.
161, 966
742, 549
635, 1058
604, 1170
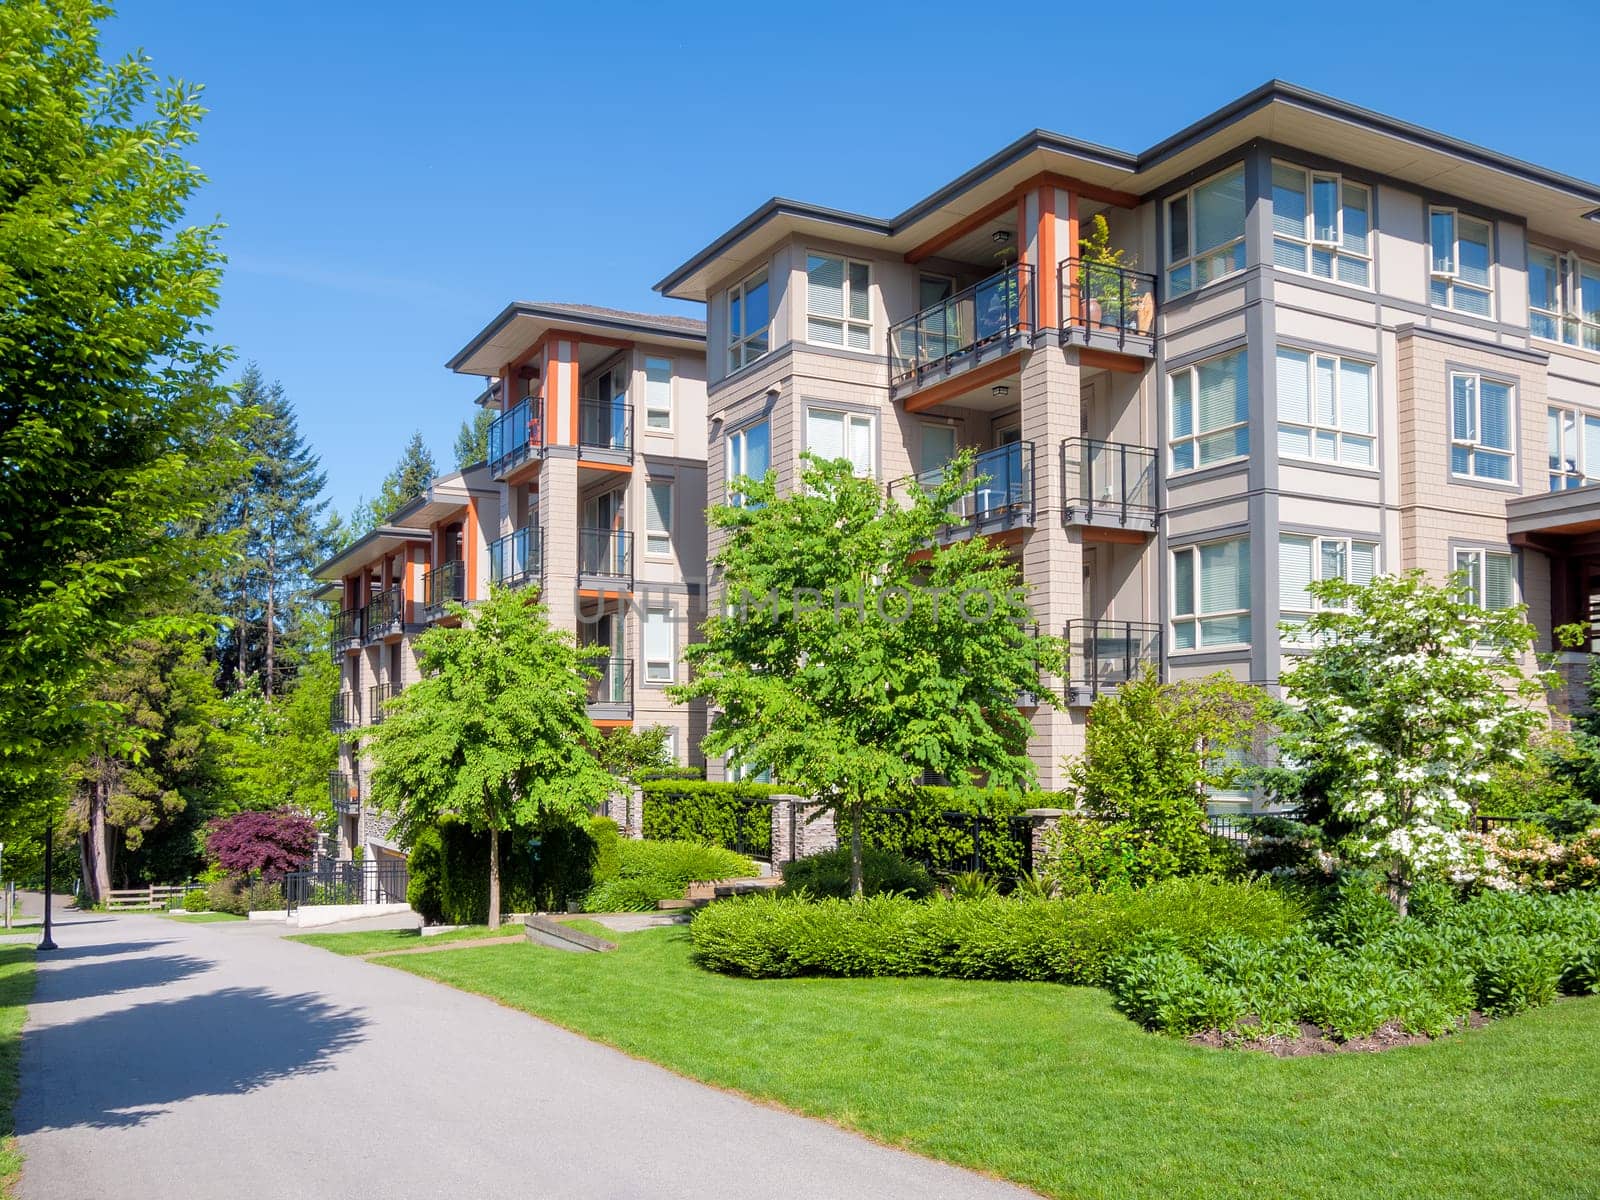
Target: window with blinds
749, 318
1563, 299
1321, 225
1574, 439
1325, 409
1489, 578
658, 394
831, 435
1482, 434
1211, 595
1210, 412
658, 646
658, 519
749, 455
1303, 561
1205, 232
1460, 254
838, 302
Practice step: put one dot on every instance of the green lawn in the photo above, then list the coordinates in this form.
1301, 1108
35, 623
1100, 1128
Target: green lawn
1051, 1087
204, 918
379, 941
16, 986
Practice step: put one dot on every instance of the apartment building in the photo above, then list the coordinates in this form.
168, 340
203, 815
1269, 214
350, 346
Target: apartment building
598, 462
1332, 344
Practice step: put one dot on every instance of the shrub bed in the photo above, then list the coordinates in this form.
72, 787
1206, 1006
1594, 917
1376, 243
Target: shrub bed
649, 871
735, 816
828, 874
930, 828
541, 869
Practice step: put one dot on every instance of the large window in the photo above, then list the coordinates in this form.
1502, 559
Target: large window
749, 316
658, 519
749, 454
1210, 412
658, 648
1303, 561
658, 394
1321, 225
1325, 409
1491, 577
1563, 299
1461, 250
1205, 232
1211, 595
831, 434
1482, 437
838, 302
1574, 448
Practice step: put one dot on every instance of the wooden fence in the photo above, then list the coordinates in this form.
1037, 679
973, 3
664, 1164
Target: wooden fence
155, 896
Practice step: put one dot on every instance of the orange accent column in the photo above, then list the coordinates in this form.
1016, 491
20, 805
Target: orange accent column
469, 552
1049, 280
1072, 252
1024, 315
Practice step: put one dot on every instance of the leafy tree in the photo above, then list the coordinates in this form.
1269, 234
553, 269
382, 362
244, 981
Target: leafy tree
1406, 699
409, 479
496, 733
856, 652
281, 752
472, 439
113, 436
269, 844
626, 753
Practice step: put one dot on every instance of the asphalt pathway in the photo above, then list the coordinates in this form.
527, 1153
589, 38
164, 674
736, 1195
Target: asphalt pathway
163, 1059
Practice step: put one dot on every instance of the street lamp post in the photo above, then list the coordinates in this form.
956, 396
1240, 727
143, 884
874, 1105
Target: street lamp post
49, 836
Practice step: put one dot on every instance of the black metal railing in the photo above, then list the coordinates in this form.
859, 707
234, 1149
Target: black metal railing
606, 553
385, 614
613, 684
1108, 482
958, 841
344, 792
515, 436
605, 425
517, 558
1104, 655
342, 712
344, 882
444, 585
990, 314
999, 491
346, 632
377, 694
1097, 298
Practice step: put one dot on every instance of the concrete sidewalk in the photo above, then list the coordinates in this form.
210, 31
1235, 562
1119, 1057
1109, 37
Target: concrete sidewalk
165, 1059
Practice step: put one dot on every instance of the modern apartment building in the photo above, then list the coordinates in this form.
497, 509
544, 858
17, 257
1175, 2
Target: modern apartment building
1335, 344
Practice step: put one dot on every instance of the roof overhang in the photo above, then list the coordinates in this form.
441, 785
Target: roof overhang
522, 323
1572, 512
382, 541
446, 496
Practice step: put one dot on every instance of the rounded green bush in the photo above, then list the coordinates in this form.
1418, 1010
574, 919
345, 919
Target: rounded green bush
882, 873
196, 900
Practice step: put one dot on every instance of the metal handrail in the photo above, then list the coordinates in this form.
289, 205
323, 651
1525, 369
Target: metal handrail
1103, 298
999, 486
444, 584
605, 552
381, 881
376, 695
517, 558
344, 792
342, 713
1114, 479
1106, 654
346, 631
384, 613
996, 309
614, 684
605, 425
515, 436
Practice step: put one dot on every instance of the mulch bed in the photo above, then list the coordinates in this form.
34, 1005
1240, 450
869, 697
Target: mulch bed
1313, 1039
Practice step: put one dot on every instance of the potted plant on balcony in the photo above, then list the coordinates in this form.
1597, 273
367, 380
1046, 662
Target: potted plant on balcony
1109, 298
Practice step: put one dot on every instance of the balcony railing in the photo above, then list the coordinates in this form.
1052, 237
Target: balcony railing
344, 792
444, 585
346, 633
1108, 483
517, 558
605, 554
1108, 306
342, 714
999, 491
377, 695
613, 687
385, 614
515, 436
605, 426
1104, 655
988, 316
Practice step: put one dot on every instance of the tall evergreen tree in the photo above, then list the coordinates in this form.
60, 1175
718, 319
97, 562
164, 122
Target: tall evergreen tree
472, 439
409, 479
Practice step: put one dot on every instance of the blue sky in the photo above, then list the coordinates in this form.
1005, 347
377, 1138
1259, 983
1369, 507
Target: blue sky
392, 175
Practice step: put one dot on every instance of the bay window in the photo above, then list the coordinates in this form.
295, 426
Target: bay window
1211, 595
831, 434
1482, 439
1563, 299
1460, 253
1325, 409
1303, 561
1205, 232
838, 302
1574, 448
749, 316
1210, 412
1321, 225
1490, 577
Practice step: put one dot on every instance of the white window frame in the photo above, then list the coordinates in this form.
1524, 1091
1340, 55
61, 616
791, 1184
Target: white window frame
1308, 240
1337, 429
1198, 255
1318, 541
845, 322
1193, 438
742, 340
1559, 477
659, 671
651, 409
851, 418
1450, 274
1198, 616
1482, 554
650, 537
735, 448
1471, 443
1567, 323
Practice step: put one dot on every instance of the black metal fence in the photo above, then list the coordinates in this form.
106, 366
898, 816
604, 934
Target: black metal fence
384, 614
346, 631
346, 882
949, 840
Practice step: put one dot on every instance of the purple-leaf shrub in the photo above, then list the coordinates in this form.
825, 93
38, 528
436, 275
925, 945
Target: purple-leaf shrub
271, 843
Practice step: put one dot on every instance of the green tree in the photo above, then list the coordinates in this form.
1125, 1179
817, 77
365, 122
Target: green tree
496, 733
281, 751
626, 753
472, 439
409, 479
856, 652
1407, 697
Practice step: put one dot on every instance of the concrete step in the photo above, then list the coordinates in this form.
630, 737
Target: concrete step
676, 905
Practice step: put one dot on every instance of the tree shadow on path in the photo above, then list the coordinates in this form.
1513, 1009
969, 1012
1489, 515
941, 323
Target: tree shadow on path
94, 978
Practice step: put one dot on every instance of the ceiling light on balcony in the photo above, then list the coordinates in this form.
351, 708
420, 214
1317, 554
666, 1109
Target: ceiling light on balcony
1000, 389
1000, 236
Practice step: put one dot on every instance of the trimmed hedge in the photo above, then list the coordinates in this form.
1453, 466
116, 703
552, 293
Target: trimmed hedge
448, 870
925, 834
713, 814
1065, 941
651, 871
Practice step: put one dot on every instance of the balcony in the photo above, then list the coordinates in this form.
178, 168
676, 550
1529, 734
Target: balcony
344, 792
516, 436
605, 559
998, 496
342, 712
346, 634
384, 615
517, 558
611, 692
985, 321
1104, 655
1109, 484
446, 584
1108, 308
605, 430
377, 695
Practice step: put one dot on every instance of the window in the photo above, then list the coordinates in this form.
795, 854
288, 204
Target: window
658, 519
669, 745
1210, 412
938, 447
831, 435
749, 454
1205, 232
1325, 409
1211, 595
1303, 561
1563, 299
1481, 416
838, 302
1574, 448
1321, 225
749, 315
658, 653
658, 394
1460, 256
1491, 577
